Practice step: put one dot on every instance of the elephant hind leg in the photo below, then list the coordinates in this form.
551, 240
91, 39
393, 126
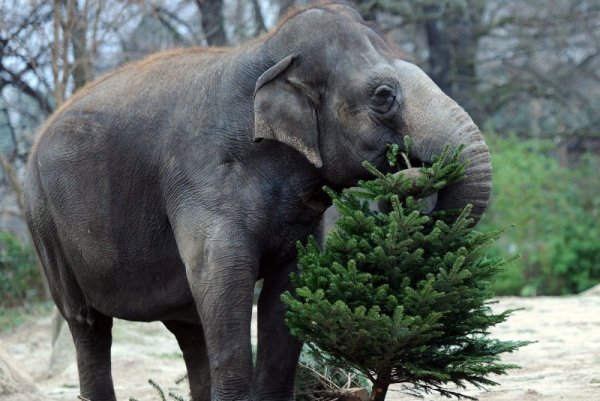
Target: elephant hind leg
93, 340
91, 330
190, 337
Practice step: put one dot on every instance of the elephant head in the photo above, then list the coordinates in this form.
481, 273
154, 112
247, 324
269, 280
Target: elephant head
339, 93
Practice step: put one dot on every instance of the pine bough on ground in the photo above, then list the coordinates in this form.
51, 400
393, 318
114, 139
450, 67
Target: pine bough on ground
403, 297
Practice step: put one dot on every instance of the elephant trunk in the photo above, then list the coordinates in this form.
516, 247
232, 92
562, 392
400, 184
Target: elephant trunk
433, 120
476, 187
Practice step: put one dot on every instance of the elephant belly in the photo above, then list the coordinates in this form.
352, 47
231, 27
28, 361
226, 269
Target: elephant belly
141, 284
142, 292
123, 267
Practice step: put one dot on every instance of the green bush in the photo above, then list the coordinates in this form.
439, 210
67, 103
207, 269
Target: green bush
19, 275
556, 212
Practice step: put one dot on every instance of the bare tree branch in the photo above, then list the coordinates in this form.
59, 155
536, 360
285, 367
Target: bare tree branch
14, 80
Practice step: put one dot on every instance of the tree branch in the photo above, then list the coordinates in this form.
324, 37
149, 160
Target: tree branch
15, 80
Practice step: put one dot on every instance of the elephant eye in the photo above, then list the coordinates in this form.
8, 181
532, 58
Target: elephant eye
382, 99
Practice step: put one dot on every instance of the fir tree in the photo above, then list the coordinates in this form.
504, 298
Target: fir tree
403, 297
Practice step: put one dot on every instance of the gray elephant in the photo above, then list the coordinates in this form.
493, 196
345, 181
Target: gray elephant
166, 189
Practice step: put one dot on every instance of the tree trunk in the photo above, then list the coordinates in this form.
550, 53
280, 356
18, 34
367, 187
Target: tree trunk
259, 21
82, 64
452, 37
56, 24
284, 6
379, 390
212, 21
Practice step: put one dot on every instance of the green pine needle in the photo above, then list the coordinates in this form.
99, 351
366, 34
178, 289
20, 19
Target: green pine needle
158, 389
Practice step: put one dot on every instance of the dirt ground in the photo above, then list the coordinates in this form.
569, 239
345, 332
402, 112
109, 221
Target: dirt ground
564, 364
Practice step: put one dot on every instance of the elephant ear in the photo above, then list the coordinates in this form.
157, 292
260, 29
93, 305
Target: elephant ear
283, 111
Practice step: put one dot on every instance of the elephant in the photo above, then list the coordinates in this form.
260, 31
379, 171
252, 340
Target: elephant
164, 190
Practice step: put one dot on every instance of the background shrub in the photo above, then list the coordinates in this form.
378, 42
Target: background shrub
556, 212
19, 275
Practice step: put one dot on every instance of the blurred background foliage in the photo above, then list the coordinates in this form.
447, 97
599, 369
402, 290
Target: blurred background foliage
19, 279
528, 73
556, 213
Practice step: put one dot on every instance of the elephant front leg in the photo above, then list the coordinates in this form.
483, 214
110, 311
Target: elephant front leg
278, 350
223, 286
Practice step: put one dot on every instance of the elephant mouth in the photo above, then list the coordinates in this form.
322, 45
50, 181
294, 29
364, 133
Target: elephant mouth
402, 163
472, 189
428, 203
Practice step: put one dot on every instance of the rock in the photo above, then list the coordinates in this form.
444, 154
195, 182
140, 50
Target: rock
353, 394
13, 378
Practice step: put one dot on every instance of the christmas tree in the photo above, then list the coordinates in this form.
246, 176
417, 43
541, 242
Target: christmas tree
402, 296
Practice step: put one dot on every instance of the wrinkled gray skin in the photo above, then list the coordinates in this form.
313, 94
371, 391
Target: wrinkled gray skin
164, 190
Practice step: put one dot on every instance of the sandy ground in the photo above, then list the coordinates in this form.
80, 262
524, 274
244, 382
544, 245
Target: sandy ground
564, 364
